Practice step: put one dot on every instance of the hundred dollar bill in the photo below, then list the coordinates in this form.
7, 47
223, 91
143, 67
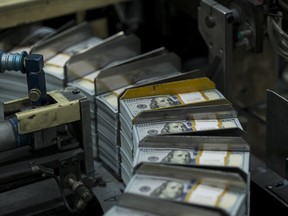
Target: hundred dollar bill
192, 157
126, 173
122, 211
108, 102
133, 106
142, 130
193, 191
136, 205
110, 99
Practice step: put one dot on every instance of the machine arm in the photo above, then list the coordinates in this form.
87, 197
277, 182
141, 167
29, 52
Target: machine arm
31, 65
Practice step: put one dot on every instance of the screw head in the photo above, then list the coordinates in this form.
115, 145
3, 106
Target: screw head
210, 21
34, 62
34, 94
76, 91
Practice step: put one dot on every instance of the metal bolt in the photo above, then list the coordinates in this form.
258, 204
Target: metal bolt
76, 91
34, 94
34, 63
244, 33
12, 61
210, 21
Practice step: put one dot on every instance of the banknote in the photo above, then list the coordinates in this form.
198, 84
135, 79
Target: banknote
126, 145
142, 130
192, 157
131, 204
189, 191
126, 173
134, 106
122, 211
110, 99
126, 159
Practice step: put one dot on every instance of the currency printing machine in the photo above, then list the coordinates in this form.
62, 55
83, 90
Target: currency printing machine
240, 44
247, 47
46, 159
247, 54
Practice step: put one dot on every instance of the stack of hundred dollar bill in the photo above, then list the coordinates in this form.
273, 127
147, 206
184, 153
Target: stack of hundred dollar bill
173, 107
219, 192
223, 151
84, 68
59, 49
154, 66
131, 204
187, 120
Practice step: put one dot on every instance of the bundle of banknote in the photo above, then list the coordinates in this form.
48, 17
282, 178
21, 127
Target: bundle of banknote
190, 150
129, 111
54, 65
108, 128
111, 52
83, 69
207, 188
199, 108
132, 204
125, 76
108, 125
125, 49
129, 148
131, 107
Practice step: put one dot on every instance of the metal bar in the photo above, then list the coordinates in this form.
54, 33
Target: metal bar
18, 12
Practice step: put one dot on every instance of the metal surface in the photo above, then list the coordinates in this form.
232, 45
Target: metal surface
50, 203
17, 12
248, 21
114, 48
242, 63
267, 189
86, 136
7, 136
37, 93
277, 127
59, 140
61, 112
215, 23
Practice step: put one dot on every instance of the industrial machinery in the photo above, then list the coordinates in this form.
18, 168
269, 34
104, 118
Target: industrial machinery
247, 46
46, 156
242, 46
